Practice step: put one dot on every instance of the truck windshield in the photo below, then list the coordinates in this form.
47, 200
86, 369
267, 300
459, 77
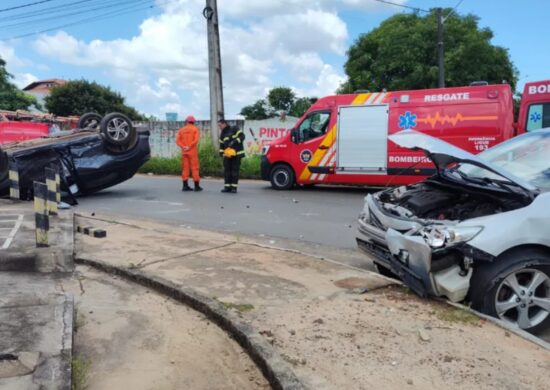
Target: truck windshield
525, 157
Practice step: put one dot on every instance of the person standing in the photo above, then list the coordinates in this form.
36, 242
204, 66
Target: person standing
232, 151
188, 140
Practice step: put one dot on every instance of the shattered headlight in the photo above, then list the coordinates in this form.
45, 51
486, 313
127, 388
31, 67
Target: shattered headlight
439, 236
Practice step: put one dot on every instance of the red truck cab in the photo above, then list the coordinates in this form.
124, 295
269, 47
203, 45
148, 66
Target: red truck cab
343, 139
534, 113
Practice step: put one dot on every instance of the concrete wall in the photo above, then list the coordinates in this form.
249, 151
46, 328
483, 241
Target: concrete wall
258, 133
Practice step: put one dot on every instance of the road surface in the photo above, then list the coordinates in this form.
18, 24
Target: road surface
318, 215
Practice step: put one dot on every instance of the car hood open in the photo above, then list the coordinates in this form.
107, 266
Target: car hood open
442, 154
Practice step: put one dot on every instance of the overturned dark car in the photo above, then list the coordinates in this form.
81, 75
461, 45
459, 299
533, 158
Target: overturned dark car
477, 231
103, 152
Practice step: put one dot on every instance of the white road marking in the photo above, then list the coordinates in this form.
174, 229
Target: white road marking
13, 232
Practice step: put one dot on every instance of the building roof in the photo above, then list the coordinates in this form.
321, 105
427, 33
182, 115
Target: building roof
43, 85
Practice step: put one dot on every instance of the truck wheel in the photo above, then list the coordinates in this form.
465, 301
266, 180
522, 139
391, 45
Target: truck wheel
89, 121
117, 129
515, 288
282, 177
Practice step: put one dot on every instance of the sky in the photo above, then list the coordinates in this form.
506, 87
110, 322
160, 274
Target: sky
154, 52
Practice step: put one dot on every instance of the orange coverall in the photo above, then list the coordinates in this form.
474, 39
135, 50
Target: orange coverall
188, 137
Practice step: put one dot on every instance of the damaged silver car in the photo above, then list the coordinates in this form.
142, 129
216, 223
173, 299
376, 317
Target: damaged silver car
477, 231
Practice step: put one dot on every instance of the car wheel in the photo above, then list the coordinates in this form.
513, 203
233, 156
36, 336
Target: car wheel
4, 166
117, 129
282, 177
515, 288
89, 121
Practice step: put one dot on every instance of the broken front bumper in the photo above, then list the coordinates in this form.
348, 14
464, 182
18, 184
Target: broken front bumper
408, 255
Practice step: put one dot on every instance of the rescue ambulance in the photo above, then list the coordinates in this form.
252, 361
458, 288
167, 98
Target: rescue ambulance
343, 139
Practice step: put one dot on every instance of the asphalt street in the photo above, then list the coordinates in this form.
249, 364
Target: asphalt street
319, 215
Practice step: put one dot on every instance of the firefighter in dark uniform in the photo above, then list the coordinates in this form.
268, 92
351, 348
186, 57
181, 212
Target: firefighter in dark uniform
232, 151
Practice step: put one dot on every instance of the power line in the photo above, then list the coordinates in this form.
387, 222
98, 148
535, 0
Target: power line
25, 5
95, 18
48, 10
452, 11
403, 6
74, 13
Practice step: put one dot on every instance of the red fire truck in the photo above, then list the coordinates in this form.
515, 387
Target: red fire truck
343, 139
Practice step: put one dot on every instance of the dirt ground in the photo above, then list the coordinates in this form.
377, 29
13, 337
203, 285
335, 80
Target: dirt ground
390, 339
318, 319
128, 337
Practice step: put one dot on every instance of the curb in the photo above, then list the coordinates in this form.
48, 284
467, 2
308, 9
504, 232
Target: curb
277, 371
503, 325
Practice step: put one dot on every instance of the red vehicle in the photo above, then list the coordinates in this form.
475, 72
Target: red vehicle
343, 139
13, 131
18, 126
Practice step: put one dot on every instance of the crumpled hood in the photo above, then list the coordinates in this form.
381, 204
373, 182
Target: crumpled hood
442, 154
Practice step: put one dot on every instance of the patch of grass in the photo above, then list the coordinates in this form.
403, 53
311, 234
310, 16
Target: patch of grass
211, 164
80, 370
242, 307
455, 315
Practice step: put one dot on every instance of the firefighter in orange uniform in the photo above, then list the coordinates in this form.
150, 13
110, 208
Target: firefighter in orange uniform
188, 139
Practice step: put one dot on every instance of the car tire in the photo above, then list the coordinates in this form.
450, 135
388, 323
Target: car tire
282, 177
117, 129
4, 166
89, 121
502, 289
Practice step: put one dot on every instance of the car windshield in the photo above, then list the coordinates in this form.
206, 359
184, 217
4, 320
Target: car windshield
526, 157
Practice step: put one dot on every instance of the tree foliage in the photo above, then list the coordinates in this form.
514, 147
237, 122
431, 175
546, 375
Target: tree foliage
256, 111
11, 97
401, 54
281, 98
278, 99
81, 96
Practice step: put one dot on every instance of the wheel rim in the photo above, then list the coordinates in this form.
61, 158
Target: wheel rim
118, 129
91, 124
281, 178
523, 298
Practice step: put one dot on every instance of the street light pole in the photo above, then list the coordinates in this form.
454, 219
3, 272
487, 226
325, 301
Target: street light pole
440, 48
210, 13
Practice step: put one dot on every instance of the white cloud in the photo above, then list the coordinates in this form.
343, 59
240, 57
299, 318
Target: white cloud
165, 66
24, 79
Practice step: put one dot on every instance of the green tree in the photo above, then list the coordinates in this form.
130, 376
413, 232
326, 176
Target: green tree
281, 98
402, 54
278, 99
81, 96
256, 111
300, 106
11, 97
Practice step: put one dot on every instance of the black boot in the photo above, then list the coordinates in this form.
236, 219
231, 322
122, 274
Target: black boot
186, 186
197, 187
226, 189
234, 190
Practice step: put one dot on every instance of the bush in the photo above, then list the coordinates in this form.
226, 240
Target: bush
210, 161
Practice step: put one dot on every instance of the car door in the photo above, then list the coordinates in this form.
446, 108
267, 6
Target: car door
314, 144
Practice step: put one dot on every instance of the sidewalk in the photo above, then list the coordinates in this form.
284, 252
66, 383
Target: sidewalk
36, 316
316, 316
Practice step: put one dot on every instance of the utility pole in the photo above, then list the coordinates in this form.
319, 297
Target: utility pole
210, 13
440, 48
